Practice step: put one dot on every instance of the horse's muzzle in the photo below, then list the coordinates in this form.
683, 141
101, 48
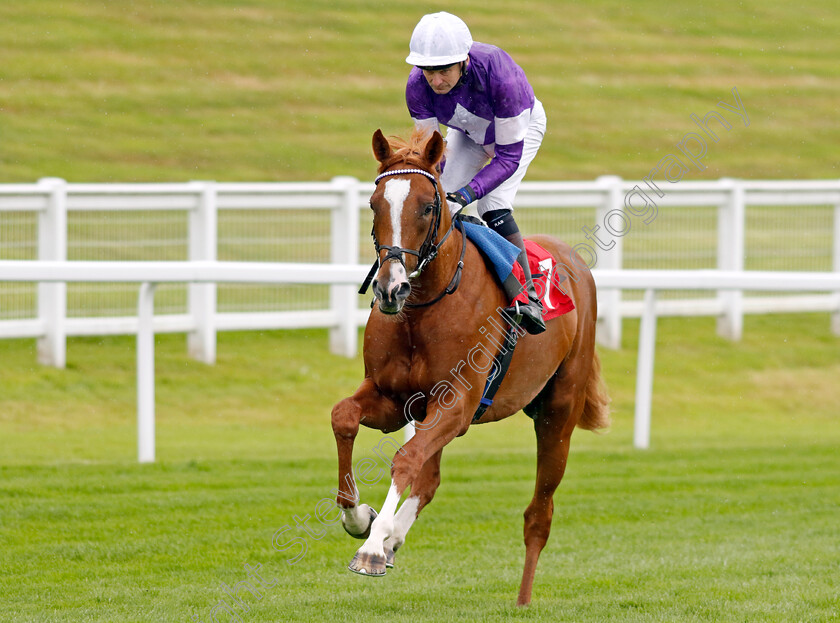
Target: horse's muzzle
391, 297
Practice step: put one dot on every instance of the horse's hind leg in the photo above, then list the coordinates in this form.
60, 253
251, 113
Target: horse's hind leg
554, 425
377, 412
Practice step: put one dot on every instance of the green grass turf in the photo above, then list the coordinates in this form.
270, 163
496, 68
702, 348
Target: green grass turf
293, 90
731, 516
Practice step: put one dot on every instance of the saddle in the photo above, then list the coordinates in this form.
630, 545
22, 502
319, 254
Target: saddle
501, 256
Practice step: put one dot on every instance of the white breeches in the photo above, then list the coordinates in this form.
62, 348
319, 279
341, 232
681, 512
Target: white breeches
465, 158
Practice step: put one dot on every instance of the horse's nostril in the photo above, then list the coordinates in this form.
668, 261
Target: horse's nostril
403, 291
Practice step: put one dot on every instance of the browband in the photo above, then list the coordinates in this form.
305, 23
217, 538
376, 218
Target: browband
406, 171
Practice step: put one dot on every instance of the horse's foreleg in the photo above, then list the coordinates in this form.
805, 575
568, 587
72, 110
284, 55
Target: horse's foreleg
370, 559
367, 402
429, 439
422, 491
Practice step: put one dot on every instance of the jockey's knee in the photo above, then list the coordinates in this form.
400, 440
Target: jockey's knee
501, 221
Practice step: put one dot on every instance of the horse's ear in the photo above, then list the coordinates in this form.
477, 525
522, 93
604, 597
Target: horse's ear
434, 148
381, 147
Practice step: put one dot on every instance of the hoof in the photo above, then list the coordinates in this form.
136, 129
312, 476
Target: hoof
389, 557
368, 564
366, 533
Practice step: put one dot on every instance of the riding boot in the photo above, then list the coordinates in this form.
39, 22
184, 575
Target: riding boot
531, 312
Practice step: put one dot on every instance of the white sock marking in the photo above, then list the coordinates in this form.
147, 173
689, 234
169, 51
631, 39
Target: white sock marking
402, 522
357, 518
383, 525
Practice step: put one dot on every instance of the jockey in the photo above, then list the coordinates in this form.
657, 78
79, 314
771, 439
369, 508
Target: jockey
485, 100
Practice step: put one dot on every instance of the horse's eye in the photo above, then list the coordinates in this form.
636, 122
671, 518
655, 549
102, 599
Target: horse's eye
428, 209
370, 205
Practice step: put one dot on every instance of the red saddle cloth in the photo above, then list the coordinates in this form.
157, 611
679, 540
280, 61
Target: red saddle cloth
555, 302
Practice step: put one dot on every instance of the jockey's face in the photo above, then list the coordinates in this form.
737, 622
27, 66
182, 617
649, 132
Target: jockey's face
444, 80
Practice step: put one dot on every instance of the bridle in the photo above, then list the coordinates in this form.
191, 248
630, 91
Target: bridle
428, 249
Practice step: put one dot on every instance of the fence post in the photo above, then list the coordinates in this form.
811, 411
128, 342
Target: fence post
835, 265
146, 373
203, 233
345, 250
608, 332
731, 218
644, 373
52, 297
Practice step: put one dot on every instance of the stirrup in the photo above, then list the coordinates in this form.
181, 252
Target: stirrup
529, 316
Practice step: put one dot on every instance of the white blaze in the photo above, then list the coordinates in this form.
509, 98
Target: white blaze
396, 192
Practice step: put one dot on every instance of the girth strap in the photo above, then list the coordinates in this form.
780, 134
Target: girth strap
501, 364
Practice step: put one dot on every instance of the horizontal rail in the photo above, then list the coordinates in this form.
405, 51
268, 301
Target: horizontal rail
282, 195
148, 274
349, 274
181, 272
766, 281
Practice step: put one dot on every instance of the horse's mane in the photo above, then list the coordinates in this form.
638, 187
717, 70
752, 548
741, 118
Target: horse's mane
410, 152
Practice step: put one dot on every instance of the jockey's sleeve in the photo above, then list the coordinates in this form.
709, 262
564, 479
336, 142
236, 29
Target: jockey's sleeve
512, 99
504, 163
430, 123
420, 108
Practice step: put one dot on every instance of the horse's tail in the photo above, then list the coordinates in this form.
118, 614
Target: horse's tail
596, 410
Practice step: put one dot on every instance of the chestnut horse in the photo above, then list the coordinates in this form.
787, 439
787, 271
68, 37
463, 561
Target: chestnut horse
426, 358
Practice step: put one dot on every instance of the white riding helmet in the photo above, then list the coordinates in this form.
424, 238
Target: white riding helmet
439, 39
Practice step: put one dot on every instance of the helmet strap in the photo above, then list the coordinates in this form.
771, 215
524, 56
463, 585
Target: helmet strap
463, 65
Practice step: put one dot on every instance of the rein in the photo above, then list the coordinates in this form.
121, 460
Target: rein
428, 250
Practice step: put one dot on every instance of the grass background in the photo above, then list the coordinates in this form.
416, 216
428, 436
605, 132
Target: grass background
145, 90
730, 517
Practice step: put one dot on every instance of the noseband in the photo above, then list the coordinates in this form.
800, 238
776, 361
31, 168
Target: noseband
427, 251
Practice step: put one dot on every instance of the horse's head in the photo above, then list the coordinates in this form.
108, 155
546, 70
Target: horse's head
408, 213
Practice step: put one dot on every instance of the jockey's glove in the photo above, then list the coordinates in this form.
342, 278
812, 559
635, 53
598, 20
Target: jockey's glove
463, 196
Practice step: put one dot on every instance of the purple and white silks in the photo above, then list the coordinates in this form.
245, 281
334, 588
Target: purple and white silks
492, 106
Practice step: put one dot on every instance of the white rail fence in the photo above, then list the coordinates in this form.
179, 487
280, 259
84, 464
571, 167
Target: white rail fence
726, 224
149, 274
